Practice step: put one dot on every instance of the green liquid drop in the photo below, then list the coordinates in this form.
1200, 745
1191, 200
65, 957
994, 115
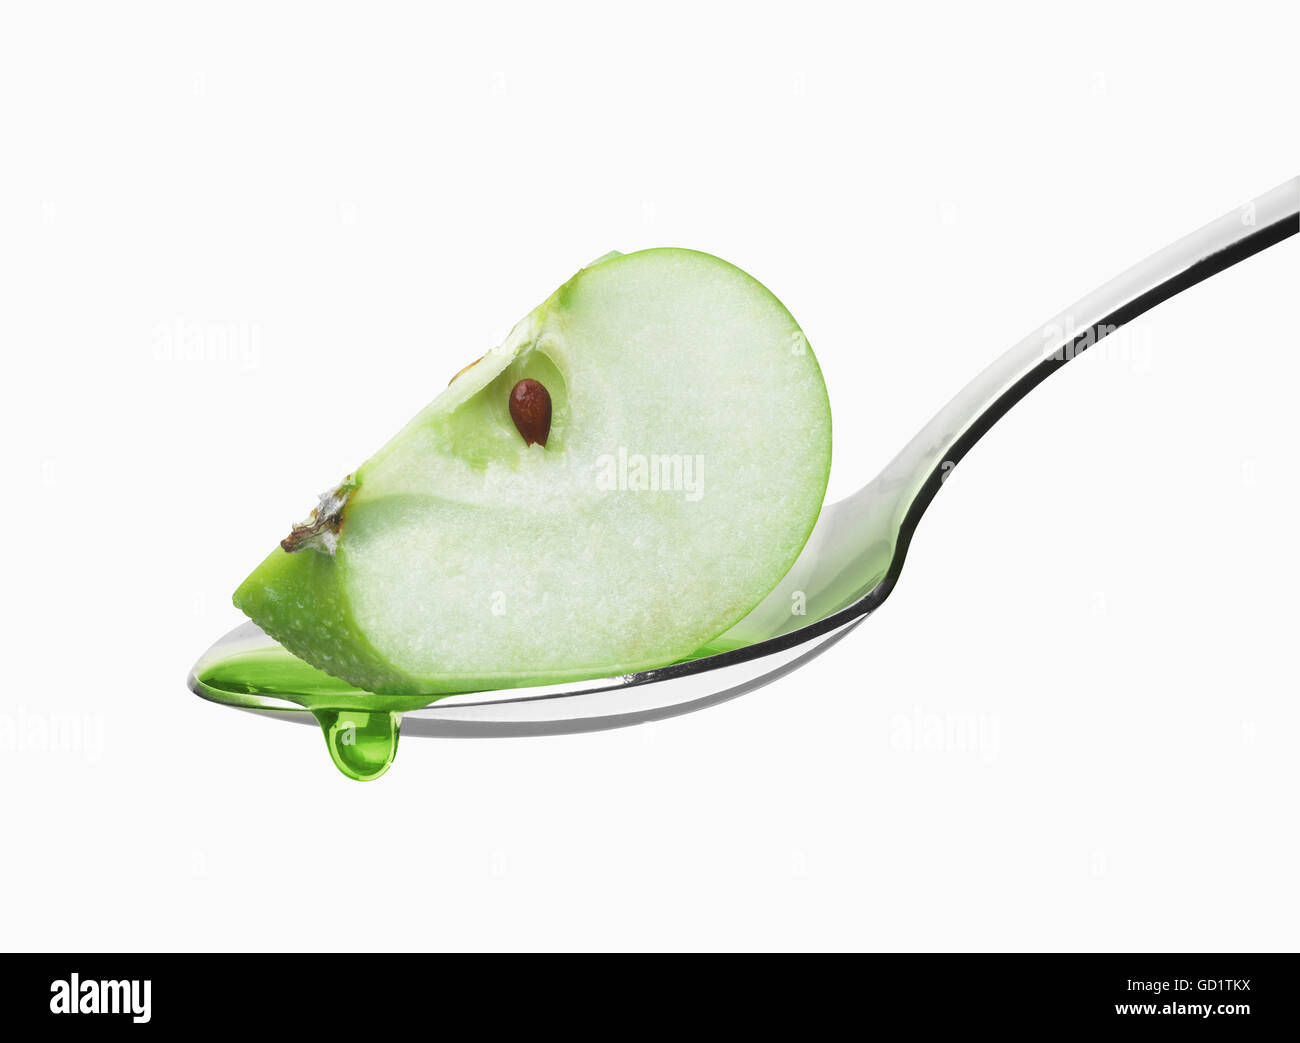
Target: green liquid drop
361, 729
361, 743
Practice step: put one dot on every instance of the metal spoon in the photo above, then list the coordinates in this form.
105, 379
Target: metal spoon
855, 554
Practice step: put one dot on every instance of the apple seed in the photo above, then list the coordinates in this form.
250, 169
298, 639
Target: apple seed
530, 409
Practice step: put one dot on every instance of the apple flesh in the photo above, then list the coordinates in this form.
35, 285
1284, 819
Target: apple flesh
683, 466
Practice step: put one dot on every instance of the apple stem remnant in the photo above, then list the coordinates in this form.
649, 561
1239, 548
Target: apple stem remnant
321, 529
530, 409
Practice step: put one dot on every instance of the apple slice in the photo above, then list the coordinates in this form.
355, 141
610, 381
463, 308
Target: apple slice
620, 481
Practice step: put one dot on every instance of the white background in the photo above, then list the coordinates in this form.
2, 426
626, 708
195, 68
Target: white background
1074, 724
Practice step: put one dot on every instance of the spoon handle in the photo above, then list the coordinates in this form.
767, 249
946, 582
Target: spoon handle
913, 477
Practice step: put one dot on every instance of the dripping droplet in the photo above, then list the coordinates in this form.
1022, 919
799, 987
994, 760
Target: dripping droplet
361, 743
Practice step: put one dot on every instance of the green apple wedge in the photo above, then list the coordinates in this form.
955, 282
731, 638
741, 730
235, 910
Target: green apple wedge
620, 481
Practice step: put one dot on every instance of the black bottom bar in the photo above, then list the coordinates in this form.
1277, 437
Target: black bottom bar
385, 996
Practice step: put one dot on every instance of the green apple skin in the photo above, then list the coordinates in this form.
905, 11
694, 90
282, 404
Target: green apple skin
458, 558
